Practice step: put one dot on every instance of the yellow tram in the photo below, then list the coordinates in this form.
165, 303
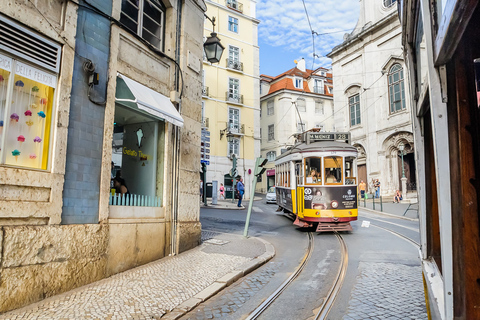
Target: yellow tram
316, 181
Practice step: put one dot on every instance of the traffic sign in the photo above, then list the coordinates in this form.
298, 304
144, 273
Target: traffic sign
206, 162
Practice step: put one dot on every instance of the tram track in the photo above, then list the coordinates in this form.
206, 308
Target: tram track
329, 300
398, 234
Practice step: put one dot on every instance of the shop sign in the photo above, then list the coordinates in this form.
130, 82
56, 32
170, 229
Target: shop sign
270, 172
5, 63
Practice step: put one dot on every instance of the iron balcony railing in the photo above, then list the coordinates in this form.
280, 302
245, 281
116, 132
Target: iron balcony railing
235, 5
234, 64
205, 91
319, 89
236, 129
234, 97
134, 200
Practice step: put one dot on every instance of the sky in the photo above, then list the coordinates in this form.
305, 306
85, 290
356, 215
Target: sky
284, 34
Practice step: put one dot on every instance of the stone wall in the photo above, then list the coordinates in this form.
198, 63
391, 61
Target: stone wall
41, 261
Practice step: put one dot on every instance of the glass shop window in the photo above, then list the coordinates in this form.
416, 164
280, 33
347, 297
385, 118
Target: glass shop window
26, 114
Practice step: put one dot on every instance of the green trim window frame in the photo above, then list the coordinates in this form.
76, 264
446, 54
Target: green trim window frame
354, 104
396, 88
146, 18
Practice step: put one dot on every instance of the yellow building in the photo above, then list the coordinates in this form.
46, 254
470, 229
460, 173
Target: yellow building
231, 93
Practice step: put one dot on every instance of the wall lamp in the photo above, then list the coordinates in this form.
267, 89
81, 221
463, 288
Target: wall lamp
226, 132
212, 46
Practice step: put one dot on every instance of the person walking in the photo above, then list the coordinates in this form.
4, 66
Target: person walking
241, 191
222, 191
362, 186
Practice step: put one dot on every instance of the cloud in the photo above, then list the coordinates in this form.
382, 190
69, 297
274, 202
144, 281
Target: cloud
284, 25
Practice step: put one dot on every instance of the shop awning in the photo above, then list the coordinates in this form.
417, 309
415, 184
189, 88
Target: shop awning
135, 95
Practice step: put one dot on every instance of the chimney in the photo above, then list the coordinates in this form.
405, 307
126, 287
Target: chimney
301, 65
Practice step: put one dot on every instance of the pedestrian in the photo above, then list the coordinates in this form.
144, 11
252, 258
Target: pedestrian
377, 188
362, 186
241, 191
222, 191
120, 186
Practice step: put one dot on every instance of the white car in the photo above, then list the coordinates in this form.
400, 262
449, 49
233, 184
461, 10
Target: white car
271, 195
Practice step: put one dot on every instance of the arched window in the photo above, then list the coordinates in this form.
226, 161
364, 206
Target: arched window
396, 88
389, 3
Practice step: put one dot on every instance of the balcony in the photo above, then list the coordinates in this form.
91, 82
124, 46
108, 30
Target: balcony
204, 91
319, 89
235, 129
234, 97
235, 65
235, 5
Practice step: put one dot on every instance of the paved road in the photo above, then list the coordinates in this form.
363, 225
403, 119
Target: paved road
383, 277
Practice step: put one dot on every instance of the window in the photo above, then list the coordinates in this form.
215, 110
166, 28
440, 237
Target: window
271, 155
319, 87
271, 132
333, 170
270, 107
301, 127
26, 115
354, 103
313, 169
234, 120
299, 83
233, 24
301, 105
396, 89
145, 18
319, 126
319, 107
389, 3
233, 54
234, 147
234, 90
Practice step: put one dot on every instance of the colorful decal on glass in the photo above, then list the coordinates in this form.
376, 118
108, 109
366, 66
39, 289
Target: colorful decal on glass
21, 139
37, 139
28, 113
16, 154
42, 114
14, 117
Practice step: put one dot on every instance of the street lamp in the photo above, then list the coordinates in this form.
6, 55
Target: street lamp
401, 147
212, 46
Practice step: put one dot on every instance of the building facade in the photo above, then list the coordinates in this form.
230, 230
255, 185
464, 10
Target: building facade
88, 93
294, 101
371, 98
231, 98
442, 49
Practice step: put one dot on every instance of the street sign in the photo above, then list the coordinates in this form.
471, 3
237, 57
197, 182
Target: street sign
207, 139
207, 150
207, 144
205, 161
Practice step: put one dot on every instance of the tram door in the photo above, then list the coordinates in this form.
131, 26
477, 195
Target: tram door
298, 188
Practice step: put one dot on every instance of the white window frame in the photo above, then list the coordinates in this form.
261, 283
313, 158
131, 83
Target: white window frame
298, 82
388, 3
320, 84
233, 53
301, 126
271, 132
140, 19
234, 89
234, 147
233, 25
302, 107
391, 86
270, 107
234, 120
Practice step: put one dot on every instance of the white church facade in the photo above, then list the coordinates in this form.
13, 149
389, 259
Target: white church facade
371, 98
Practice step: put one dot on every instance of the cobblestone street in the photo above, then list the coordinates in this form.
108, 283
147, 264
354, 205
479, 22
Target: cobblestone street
149, 291
380, 293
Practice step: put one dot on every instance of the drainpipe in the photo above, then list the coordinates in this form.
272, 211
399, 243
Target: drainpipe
176, 137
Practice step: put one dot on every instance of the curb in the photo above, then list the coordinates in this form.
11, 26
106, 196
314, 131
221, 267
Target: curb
387, 214
222, 283
217, 206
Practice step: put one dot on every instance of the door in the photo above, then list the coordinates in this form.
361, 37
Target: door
362, 174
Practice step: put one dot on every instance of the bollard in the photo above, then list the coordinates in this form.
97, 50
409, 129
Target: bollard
381, 204
365, 197
214, 192
373, 198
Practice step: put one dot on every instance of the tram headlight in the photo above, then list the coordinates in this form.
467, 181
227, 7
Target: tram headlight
317, 213
334, 204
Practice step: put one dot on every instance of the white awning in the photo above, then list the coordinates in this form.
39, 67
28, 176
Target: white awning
147, 100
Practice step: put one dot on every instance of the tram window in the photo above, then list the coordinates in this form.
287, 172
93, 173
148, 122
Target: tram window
313, 169
298, 173
349, 174
333, 170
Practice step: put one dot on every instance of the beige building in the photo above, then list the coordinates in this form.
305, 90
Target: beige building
371, 97
231, 98
82, 86
294, 101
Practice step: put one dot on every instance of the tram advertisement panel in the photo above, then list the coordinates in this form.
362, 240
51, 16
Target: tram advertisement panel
284, 198
343, 197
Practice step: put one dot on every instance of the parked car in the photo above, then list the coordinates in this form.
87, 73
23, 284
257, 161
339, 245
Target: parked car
271, 195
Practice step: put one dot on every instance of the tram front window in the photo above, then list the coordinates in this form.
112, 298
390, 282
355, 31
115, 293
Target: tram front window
313, 169
333, 170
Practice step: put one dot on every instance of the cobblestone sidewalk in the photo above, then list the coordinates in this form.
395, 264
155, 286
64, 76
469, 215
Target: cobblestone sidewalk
146, 292
387, 291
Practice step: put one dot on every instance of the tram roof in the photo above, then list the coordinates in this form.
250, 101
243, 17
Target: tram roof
318, 146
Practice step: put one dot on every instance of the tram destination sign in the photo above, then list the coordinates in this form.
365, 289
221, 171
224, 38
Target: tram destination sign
328, 136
